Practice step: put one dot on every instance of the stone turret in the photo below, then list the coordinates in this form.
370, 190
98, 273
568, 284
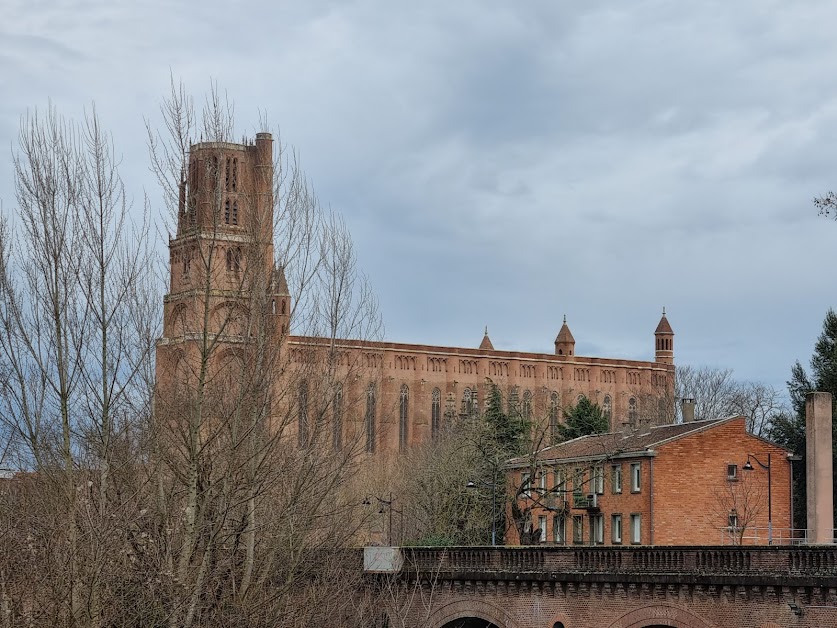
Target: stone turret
664, 341
565, 343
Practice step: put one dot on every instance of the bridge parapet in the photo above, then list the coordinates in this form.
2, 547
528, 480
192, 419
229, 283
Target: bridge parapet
552, 562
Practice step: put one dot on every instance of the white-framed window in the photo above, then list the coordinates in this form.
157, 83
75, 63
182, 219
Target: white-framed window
616, 529
732, 520
578, 529
732, 471
526, 483
542, 528
578, 481
616, 478
636, 477
596, 529
559, 477
542, 481
598, 480
636, 528
559, 523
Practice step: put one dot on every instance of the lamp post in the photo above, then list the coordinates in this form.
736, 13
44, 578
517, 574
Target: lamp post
748, 466
387, 503
471, 484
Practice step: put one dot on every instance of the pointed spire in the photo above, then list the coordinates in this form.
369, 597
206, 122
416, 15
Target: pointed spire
564, 342
486, 341
664, 327
565, 335
280, 283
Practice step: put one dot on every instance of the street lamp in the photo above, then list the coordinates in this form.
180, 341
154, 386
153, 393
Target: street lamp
748, 466
471, 484
387, 503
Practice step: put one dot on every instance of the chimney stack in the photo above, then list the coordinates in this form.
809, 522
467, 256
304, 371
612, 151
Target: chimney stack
818, 464
687, 406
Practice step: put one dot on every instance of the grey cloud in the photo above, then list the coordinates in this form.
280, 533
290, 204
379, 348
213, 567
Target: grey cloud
508, 164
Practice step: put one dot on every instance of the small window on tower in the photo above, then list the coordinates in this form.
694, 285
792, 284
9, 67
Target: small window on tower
235, 213
227, 213
235, 174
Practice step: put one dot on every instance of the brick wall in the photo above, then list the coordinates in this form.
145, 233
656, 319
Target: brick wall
693, 495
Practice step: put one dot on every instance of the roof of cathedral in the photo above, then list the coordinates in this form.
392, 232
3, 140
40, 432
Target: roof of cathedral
618, 443
486, 341
565, 335
664, 327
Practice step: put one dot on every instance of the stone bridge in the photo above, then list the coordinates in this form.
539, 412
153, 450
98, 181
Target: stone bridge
630, 587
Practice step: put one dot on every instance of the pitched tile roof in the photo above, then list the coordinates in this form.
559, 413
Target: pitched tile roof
664, 327
616, 443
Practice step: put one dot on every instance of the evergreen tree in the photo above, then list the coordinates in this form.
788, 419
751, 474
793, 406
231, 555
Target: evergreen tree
789, 431
506, 430
586, 417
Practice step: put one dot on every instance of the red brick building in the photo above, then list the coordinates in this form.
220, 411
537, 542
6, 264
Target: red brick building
681, 484
390, 395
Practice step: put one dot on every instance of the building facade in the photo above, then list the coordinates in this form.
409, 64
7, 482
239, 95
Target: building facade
692, 483
390, 395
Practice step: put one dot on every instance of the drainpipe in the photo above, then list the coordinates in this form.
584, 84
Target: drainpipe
651, 500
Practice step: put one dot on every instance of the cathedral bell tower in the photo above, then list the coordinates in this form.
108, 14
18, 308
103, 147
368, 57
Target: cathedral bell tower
222, 272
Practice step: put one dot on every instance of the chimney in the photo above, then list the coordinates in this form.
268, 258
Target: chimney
818, 464
687, 406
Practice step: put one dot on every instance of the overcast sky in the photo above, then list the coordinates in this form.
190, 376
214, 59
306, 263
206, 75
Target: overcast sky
505, 165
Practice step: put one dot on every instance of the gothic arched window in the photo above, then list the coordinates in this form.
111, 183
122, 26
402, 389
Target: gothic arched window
632, 409
235, 174
468, 402
214, 174
337, 418
234, 259
607, 407
227, 176
235, 213
227, 212
435, 412
553, 415
302, 414
403, 417
370, 418
527, 405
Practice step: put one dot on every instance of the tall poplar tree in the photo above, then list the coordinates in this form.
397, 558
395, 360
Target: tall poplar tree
789, 430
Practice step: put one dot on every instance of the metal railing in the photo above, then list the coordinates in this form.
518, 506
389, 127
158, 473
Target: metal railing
761, 536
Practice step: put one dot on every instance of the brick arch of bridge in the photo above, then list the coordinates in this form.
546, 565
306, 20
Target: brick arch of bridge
472, 608
660, 615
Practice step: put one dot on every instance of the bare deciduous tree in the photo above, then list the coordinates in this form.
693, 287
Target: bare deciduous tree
74, 341
717, 394
222, 494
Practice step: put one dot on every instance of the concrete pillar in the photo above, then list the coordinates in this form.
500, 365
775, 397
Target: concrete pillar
818, 464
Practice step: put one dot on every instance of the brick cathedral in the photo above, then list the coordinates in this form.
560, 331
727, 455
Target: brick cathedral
222, 255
